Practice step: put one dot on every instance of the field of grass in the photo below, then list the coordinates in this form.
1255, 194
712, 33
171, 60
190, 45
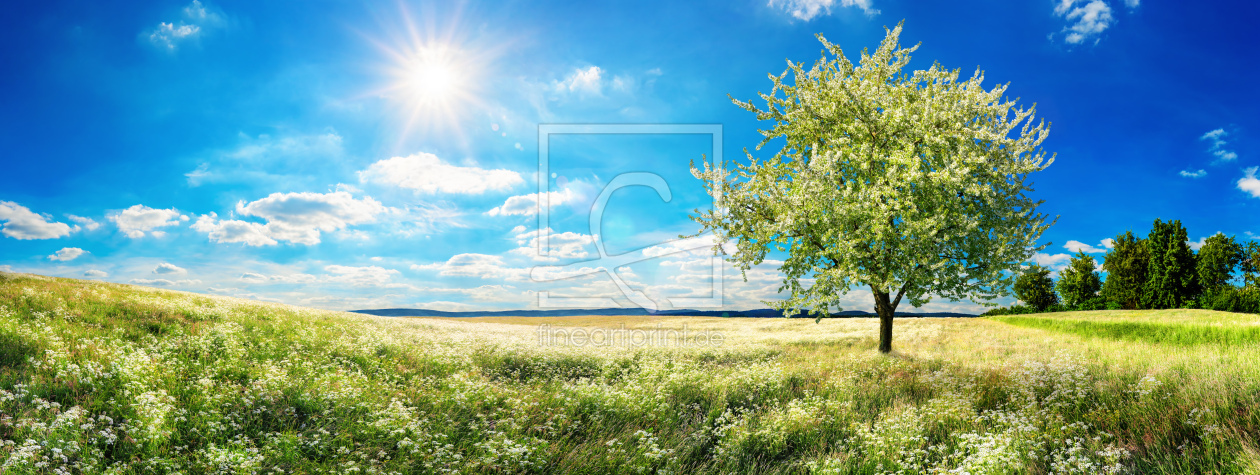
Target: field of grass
107, 378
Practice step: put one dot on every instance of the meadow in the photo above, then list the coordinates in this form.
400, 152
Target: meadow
107, 378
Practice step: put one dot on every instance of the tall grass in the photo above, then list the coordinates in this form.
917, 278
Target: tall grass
105, 378
1164, 333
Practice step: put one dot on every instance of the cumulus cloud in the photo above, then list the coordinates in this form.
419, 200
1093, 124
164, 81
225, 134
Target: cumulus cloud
21, 223
527, 205
1194, 174
582, 81
166, 282
809, 9
295, 217
67, 254
140, 219
1108, 243
1195, 245
565, 245
1089, 18
87, 223
1055, 262
1217, 143
425, 172
196, 17
233, 230
1249, 183
1077, 246
168, 268
95, 273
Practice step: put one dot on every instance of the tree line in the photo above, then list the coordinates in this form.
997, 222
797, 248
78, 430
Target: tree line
1159, 271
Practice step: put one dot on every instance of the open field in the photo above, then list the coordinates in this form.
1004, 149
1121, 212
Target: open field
107, 378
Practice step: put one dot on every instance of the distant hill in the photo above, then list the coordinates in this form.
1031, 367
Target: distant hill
631, 312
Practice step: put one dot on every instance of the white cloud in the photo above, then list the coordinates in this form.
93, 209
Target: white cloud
1077, 246
425, 172
484, 266
1055, 262
582, 81
360, 276
809, 9
21, 223
527, 205
294, 217
1195, 174
87, 223
8, 269
233, 230
566, 245
67, 254
168, 268
1249, 183
1090, 19
1108, 243
167, 35
196, 16
1132, 3
165, 282
95, 273
139, 219
1218, 143
1196, 245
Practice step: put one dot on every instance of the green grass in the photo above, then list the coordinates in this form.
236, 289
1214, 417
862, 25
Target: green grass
106, 378
1163, 333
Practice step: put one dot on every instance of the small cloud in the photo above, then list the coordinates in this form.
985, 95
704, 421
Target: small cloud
67, 254
253, 278
1196, 245
582, 81
1108, 243
1077, 246
527, 205
197, 17
1194, 174
1249, 183
1089, 20
165, 282
1055, 262
809, 9
1132, 3
21, 223
87, 223
7, 269
1217, 141
168, 268
140, 219
95, 273
425, 172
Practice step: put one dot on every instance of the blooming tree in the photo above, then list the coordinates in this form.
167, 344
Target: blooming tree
910, 184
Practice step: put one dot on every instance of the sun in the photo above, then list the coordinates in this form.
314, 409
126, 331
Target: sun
433, 78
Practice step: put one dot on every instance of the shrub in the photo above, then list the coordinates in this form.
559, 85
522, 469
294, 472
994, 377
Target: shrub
1035, 288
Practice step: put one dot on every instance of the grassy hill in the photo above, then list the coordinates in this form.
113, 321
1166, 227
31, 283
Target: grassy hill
107, 378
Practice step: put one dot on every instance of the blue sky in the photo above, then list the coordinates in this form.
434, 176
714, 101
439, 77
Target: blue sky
362, 155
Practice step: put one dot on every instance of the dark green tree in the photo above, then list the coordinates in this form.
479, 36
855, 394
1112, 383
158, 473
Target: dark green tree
1170, 272
1249, 265
1216, 262
1035, 288
1126, 266
1079, 283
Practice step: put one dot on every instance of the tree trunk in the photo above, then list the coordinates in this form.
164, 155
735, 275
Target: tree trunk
884, 308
